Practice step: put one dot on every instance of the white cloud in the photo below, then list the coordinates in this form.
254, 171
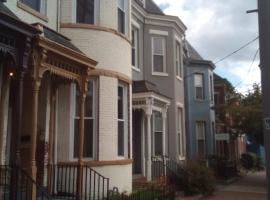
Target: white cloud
217, 28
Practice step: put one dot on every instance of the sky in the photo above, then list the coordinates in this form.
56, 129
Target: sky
216, 28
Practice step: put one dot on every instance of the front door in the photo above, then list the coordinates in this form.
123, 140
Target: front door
137, 147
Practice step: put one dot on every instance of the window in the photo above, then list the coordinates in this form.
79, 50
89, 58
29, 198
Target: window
200, 132
122, 120
178, 60
86, 11
88, 120
121, 16
38, 5
199, 87
134, 51
180, 134
211, 89
158, 53
216, 98
1, 77
158, 132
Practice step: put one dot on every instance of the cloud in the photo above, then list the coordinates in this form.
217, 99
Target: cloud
217, 28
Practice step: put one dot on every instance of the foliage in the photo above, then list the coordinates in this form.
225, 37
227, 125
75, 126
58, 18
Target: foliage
196, 179
249, 161
151, 192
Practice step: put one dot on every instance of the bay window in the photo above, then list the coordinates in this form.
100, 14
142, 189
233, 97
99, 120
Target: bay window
122, 120
89, 121
158, 132
158, 54
121, 15
199, 86
38, 5
86, 11
200, 134
134, 50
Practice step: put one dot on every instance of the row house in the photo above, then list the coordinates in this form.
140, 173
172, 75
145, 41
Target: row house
199, 96
66, 89
158, 114
230, 140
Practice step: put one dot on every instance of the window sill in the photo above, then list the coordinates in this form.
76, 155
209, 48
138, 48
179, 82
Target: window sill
200, 100
179, 78
182, 158
160, 74
136, 69
32, 11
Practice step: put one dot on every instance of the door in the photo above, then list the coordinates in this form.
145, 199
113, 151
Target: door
137, 143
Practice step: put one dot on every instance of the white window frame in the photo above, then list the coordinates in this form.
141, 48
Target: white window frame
204, 136
136, 48
154, 132
125, 119
180, 133
202, 86
164, 73
178, 60
212, 98
73, 117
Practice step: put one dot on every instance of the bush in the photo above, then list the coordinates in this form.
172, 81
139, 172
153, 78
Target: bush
249, 161
197, 179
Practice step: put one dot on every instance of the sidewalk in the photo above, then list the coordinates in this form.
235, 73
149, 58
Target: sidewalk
250, 187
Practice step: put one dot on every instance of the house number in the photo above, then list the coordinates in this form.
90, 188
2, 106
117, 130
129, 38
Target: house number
267, 123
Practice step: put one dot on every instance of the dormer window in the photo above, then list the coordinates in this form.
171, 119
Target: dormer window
86, 11
38, 5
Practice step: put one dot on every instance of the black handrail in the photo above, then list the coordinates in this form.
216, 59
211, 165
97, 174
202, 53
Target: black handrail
63, 182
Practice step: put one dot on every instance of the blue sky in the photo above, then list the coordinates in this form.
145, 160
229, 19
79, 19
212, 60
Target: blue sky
217, 28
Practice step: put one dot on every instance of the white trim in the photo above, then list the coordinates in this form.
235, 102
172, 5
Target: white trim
177, 38
160, 74
136, 69
151, 95
179, 78
158, 32
179, 104
136, 24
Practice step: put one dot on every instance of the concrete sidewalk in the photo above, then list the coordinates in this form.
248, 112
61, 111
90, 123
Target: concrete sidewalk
250, 187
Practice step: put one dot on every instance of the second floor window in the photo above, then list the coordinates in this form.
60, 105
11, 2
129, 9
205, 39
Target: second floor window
86, 11
134, 50
158, 54
178, 60
121, 16
199, 86
38, 5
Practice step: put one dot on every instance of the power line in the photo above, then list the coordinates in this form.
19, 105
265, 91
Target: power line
234, 52
249, 70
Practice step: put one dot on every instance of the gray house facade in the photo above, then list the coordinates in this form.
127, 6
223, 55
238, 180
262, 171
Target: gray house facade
199, 103
158, 86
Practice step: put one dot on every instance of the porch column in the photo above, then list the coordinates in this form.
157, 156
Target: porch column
164, 120
81, 144
35, 93
143, 144
148, 112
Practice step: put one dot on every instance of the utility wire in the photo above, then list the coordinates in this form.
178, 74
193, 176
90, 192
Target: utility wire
242, 47
249, 70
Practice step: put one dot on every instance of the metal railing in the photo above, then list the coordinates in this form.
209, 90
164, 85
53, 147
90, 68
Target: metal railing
64, 180
15, 183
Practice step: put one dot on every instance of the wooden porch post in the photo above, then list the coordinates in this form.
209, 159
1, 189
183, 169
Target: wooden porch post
35, 93
81, 144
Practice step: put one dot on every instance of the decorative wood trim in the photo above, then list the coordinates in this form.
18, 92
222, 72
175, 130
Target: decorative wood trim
66, 52
110, 73
94, 27
32, 11
100, 163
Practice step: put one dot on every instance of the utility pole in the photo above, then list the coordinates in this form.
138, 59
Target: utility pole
264, 34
